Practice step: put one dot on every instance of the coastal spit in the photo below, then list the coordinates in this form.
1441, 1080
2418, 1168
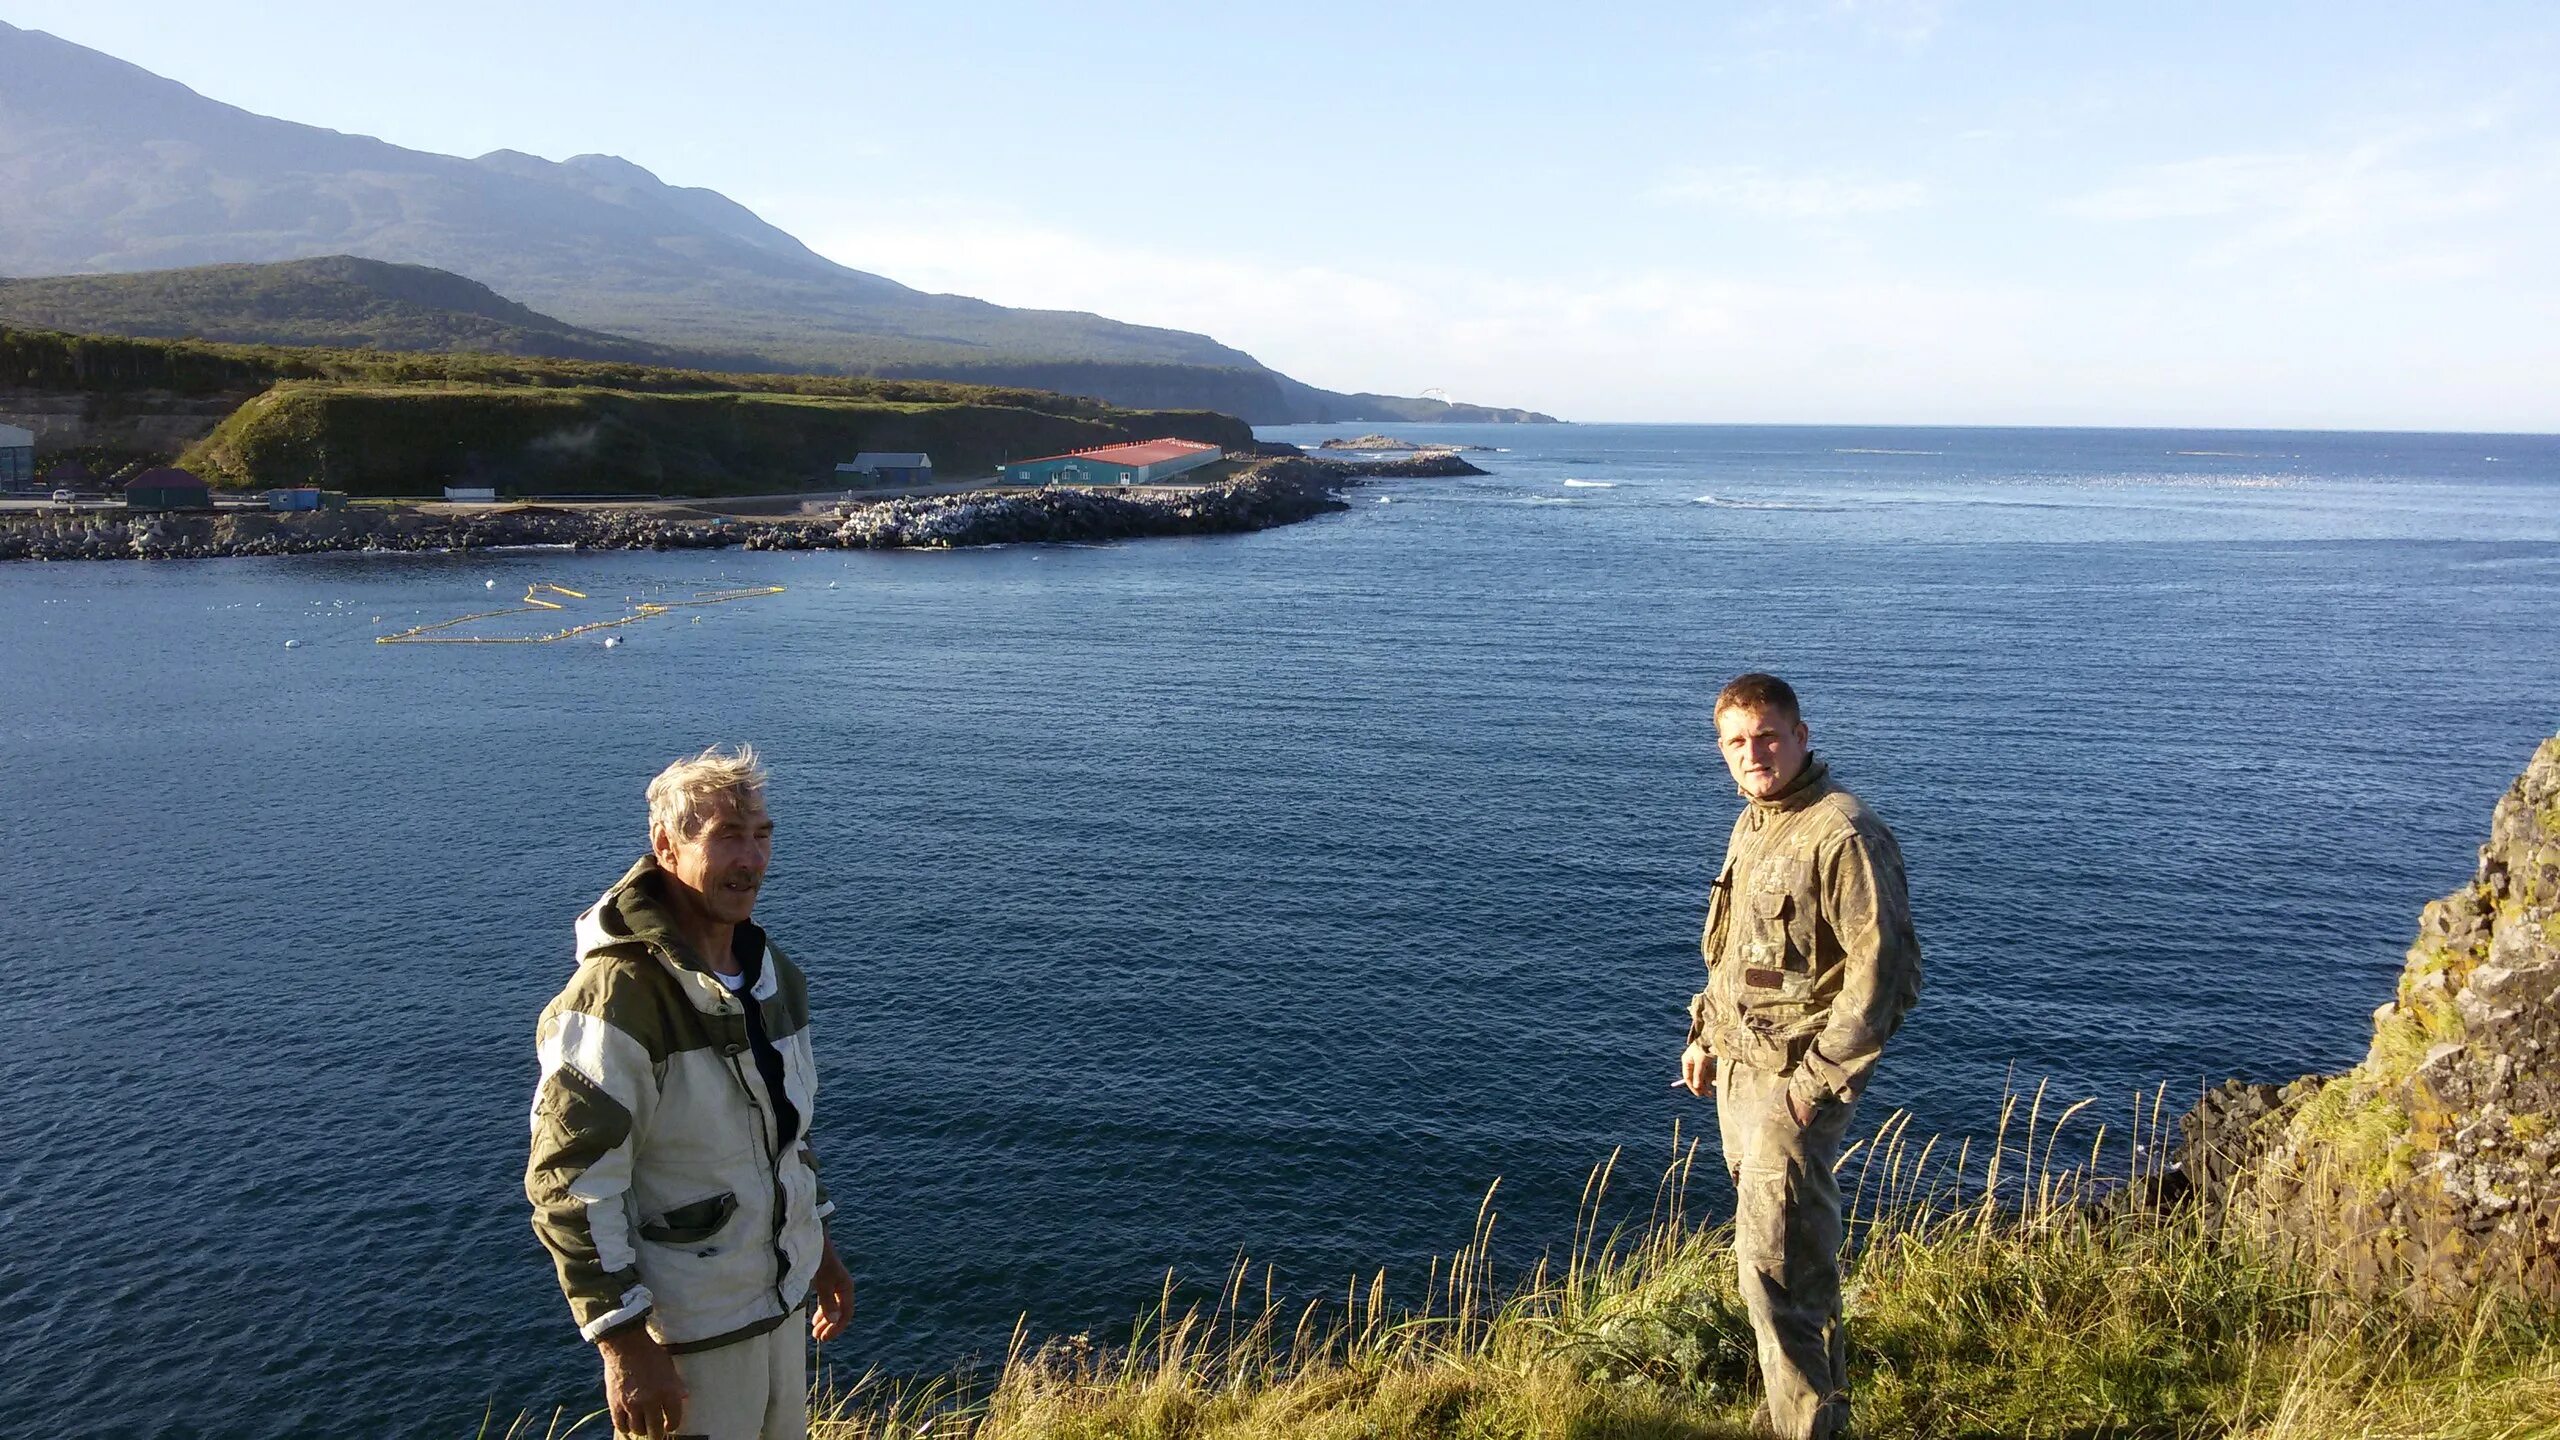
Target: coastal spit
1270, 492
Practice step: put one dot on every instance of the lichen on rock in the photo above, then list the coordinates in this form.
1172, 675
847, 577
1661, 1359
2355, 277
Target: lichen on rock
2432, 1169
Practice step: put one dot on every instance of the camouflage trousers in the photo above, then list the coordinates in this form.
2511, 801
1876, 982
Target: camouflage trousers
1786, 1246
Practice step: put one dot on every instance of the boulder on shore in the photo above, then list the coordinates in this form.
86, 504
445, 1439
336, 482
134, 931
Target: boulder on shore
2431, 1171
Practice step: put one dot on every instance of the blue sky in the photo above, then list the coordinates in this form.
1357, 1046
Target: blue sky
2319, 215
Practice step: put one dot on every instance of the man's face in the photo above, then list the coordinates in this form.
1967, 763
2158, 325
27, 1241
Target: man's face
723, 861
1765, 749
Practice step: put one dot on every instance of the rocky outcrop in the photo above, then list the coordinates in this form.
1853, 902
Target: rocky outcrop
1259, 500
1427, 463
2430, 1171
1389, 443
1269, 493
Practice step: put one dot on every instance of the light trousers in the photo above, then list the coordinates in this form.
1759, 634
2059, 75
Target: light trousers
753, 1389
1786, 1248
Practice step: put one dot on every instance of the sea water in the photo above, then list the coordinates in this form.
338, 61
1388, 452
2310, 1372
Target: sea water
1272, 894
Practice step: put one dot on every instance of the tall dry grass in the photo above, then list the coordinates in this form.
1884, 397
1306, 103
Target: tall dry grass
2026, 1286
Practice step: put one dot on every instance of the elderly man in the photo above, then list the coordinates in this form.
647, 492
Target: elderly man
1811, 963
671, 1175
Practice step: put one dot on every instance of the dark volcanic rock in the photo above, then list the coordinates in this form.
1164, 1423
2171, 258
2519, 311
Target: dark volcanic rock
2432, 1169
1260, 498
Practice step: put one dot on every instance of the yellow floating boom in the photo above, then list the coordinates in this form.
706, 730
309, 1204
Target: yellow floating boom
533, 602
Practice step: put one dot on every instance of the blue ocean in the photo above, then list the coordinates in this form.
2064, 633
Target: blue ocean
1163, 902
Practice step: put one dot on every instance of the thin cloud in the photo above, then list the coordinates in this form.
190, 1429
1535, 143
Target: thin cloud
1909, 23
1810, 342
1750, 190
2362, 196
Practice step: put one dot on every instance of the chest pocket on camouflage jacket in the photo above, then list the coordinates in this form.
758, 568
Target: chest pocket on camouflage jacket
1772, 946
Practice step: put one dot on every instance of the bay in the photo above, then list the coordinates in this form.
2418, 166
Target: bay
1270, 894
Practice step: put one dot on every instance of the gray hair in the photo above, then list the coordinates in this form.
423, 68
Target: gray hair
685, 790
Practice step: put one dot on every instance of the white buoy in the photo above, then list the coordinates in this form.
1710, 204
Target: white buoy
292, 644
612, 640
488, 584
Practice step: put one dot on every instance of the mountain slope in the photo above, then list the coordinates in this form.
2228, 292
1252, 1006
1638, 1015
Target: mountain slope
107, 167
336, 301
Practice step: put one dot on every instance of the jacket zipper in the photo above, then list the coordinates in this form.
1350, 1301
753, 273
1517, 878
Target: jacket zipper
766, 1130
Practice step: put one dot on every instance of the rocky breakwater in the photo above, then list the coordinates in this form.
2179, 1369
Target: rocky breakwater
112, 535
1266, 493
2431, 1171
1259, 498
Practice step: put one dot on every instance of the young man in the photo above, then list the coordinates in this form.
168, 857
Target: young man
671, 1175
1811, 963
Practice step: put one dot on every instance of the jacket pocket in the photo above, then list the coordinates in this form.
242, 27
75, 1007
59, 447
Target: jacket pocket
693, 1223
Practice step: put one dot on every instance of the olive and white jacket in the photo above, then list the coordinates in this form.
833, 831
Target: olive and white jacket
665, 1180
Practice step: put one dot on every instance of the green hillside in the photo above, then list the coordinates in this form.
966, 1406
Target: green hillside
335, 301
51, 361
411, 440
375, 422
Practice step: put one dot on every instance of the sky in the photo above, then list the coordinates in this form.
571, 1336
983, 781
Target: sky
2331, 215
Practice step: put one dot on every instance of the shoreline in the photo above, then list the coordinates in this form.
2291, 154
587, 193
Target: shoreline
1268, 493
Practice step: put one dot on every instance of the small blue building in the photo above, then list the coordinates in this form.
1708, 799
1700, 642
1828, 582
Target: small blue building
1147, 462
887, 467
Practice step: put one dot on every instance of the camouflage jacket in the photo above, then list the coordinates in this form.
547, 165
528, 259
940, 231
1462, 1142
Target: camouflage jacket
1811, 959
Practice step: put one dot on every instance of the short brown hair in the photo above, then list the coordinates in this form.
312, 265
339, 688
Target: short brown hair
1759, 691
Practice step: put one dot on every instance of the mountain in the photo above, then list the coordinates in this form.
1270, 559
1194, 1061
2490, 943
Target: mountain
107, 167
335, 301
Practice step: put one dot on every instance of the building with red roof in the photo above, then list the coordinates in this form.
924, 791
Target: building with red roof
1143, 462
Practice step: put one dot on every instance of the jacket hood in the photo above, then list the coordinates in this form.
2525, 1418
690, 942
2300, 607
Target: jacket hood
629, 919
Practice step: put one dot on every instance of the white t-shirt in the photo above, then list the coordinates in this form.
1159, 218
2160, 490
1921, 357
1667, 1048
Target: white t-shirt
734, 983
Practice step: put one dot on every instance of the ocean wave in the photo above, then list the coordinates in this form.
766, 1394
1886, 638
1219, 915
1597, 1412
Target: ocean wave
1866, 450
1723, 502
1591, 484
